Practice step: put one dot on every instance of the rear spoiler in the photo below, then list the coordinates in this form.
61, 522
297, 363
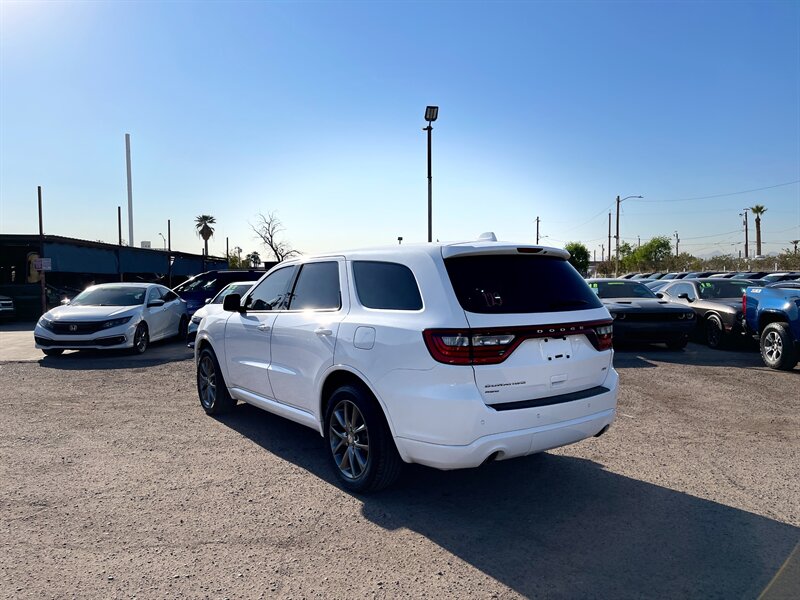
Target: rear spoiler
494, 248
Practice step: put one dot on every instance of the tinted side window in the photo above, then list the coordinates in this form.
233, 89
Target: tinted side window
509, 283
317, 287
169, 295
271, 292
386, 285
153, 294
682, 288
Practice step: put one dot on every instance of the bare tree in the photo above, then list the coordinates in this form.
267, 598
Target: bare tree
268, 229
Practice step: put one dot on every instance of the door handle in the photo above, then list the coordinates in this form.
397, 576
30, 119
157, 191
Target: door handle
323, 331
264, 327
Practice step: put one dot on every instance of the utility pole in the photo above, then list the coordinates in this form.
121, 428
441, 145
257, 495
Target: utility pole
616, 237
537, 231
41, 253
677, 243
795, 242
602, 253
169, 235
639, 241
746, 241
227, 252
119, 224
609, 235
130, 188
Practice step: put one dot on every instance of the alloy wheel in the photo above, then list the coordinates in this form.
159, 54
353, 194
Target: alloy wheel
773, 346
349, 439
207, 379
140, 339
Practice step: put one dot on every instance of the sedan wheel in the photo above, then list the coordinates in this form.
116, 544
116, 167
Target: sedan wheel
141, 339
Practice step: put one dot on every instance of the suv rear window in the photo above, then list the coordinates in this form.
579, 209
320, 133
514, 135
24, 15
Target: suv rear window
390, 286
507, 283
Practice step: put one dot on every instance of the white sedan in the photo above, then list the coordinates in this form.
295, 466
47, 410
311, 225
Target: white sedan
113, 315
214, 305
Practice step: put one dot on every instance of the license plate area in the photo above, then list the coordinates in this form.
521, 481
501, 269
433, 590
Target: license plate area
555, 349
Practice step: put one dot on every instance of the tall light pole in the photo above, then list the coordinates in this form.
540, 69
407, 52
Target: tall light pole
130, 188
616, 237
431, 113
537, 231
165, 240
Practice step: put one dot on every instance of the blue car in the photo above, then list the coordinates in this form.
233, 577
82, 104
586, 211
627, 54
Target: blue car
202, 287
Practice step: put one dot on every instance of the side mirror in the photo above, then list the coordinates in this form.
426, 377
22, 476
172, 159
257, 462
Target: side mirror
208, 300
232, 303
684, 296
155, 303
659, 295
65, 302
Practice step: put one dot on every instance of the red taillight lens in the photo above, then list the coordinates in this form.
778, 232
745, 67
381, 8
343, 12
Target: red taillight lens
605, 336
744, 304
492, 346
449, 346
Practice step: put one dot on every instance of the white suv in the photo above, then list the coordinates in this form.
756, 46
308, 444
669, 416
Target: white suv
447, 355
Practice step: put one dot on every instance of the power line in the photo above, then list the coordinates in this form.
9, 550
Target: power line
761, 189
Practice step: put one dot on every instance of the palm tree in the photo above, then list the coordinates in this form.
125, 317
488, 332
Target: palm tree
203, 225
254, 258
758, 210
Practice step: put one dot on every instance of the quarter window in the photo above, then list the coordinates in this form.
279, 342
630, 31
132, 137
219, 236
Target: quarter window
270, 294
386, 285
317, 287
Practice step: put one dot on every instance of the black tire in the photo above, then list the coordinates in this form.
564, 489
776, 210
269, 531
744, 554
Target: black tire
141, 338
211, 388
53, 352
715, 332
777, 347
183, 328
377, 467
677, 344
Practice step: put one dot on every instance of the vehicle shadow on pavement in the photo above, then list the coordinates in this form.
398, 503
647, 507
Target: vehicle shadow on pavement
633, 356
558, 526
158, 353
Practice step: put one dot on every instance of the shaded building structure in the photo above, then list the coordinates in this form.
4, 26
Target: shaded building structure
76, 263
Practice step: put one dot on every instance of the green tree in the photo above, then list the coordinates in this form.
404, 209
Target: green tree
254, 258
758, 210
203, 223
579, 257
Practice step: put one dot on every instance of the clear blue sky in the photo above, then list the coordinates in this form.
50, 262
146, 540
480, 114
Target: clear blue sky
314, 110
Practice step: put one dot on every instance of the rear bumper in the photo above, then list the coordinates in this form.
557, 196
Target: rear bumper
501, 446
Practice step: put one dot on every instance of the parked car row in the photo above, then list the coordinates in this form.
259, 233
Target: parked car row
767, 276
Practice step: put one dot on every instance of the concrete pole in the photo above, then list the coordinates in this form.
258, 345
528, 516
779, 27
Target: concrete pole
41, 253
130, 189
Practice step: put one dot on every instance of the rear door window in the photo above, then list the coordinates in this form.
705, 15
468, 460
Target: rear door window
507, 283
317, 287
385, 285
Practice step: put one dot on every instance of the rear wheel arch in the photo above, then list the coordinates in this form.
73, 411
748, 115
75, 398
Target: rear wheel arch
340, 377
767, 317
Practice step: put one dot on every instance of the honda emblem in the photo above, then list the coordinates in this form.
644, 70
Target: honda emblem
73, 328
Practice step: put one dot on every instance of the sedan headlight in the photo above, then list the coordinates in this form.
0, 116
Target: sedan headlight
115, 322
46, 323
690, 315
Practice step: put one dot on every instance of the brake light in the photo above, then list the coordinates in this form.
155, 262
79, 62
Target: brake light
605, 337
491, 347
744, 304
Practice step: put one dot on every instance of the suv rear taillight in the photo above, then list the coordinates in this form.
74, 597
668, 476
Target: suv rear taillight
744, 304
493, 346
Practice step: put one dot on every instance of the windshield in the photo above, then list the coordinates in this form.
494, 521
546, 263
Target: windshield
509, 283
233, 288
198, 284
712, 290
110, 296
621, 289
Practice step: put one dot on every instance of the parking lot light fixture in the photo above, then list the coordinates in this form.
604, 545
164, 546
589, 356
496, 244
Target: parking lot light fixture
431, 114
